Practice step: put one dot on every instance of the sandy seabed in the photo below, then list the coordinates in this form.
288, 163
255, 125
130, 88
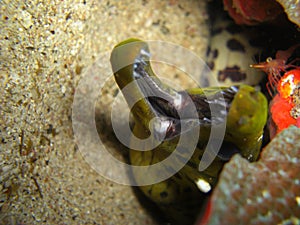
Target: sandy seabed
46, 47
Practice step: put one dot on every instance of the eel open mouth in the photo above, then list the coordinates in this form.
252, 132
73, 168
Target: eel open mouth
177, 112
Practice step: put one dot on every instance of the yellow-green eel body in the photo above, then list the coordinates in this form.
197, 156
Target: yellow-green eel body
181, 196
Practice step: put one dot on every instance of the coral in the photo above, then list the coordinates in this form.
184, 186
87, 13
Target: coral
292, 9
255, 12
252, 12
266, 191
284, 107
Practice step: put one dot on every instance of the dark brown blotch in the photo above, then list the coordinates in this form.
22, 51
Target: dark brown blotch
216, 31
235, 45
215, 53
211, 65
234, 73
163, 194
208, 50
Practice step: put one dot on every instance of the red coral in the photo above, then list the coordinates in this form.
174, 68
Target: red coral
252, 12
280, 110
284, 102
288, 83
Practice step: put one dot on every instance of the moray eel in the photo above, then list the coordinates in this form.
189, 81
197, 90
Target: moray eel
242, 108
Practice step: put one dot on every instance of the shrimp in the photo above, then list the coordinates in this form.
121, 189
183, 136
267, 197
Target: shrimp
275, 68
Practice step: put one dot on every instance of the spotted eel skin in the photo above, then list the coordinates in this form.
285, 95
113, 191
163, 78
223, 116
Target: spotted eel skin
231, 50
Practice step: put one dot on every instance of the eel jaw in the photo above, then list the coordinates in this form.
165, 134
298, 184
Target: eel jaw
164, 102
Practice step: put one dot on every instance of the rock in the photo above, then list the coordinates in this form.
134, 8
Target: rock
267, 191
